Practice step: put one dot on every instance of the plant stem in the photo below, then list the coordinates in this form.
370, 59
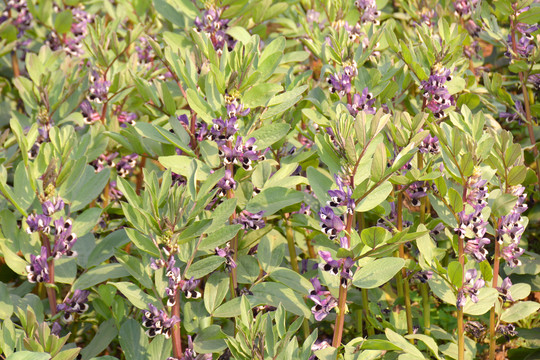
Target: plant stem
461, 327
140, 176
424, 289
234, 241
51, 293
176, 330
340, 320
15, 64
294, 262
404, 282
492, 319
365, 311
526, 103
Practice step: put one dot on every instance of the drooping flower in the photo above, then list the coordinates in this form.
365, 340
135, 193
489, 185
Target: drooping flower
250, 221
435, 92
126, 165
228, 254
77, 304
362, 102
38, 269
331, 223
158, 322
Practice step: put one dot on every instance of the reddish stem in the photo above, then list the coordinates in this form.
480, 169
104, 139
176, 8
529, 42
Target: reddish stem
51, 293
176, 330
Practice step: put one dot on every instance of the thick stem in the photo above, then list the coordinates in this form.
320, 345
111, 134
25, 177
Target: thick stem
176, 330
405, 282
294, 263
461, 327
140, 176
51, 293
526, 103
15, 64
492, 318
342, 302
424, 289
234, 241
365, 312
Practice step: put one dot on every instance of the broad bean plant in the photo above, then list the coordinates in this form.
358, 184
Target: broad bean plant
263, 179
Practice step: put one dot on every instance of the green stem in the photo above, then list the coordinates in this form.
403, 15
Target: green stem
51, 293
404, 280
294, 263
424, 289
365, 311
492, 317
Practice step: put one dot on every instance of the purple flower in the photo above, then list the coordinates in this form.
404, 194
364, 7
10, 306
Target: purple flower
215, 28
430, 144
38, 269
504, 290
126, 165
322, 306
471, 286
64, 239
422, 276
99, 88
248, 220
190, 354
507, 330
465, 7
125, 118
104, 160
90, 116
158, 322
189, 286
39, 223
436, 95
362, 102
331, 224
368, 11
227, 253
50, 207
76, 304
339, 83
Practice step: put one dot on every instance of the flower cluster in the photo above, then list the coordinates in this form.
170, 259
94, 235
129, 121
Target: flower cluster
363, 102
126, 165
422, 276
22, 18
215, 28
335, 267
158, 322
416, 191
368, 11
226, 183
474, 225
201, 130
331, 223
430, 144
324, 301
511, 228
471, 286
72, 43
435, 92
38, 269
242, 153
77, 304
126, 118
43, 136
228, 254
248, 220
340, 83
465, 7
104, 160
504, 290
99, 88
90, 115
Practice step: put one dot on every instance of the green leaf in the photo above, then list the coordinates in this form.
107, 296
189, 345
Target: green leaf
425, 245
520, 291
275, 293
99, 274
219, 237
204, 267
486, 299
260, 94
374, 236
442, 289
200, 106
374, 198
377, 273
215, 291
142, 242
6, 305
519, 311
210, 340
89, 188
160, 348
270, 253
293, 280
106, 333
269, 134
248, 269
517, 175
133, 340
455, 273
86, 221
63, 21
135, 295
273, 199
28, 355
431, 344
455, 200
221, 214
400, 341
503, 204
